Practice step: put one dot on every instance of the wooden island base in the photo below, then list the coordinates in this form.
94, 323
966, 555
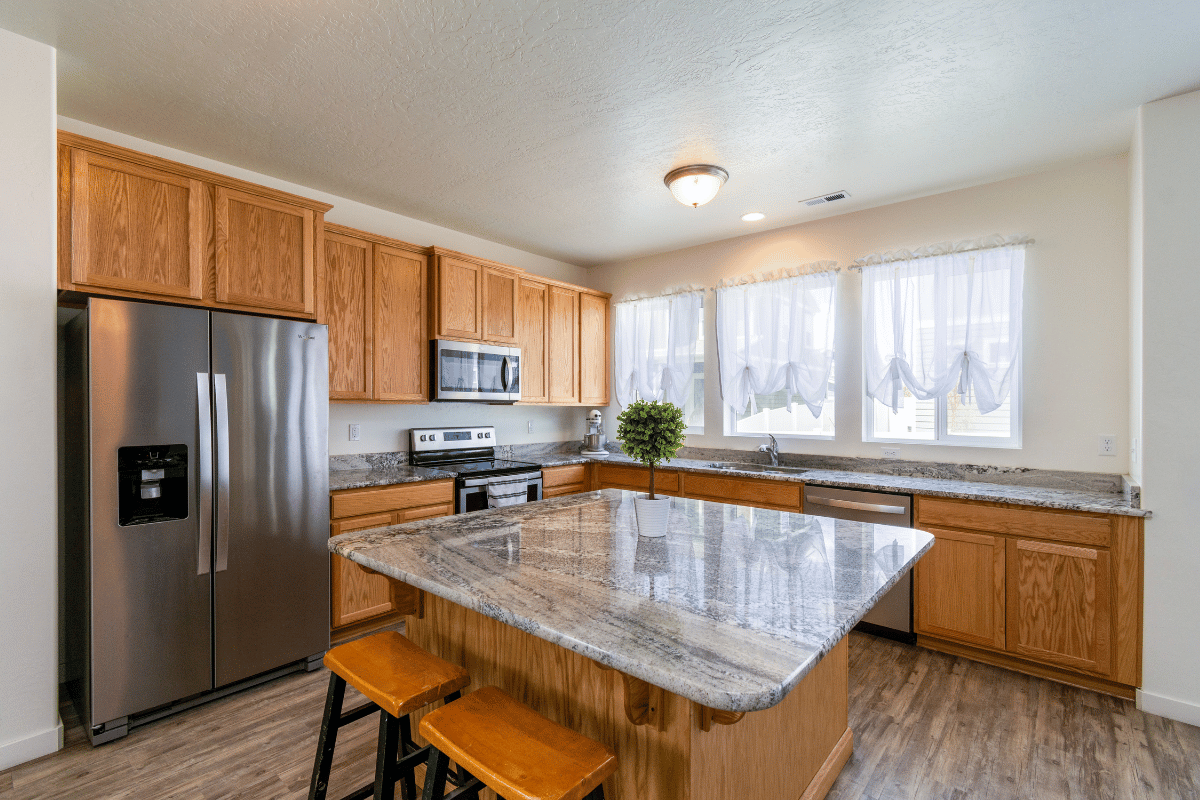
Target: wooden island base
678, 750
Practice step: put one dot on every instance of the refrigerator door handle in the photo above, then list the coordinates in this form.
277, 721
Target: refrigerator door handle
205, 468
222, 420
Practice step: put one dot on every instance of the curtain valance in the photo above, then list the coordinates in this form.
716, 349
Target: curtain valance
777, 335
655, 346
943, 322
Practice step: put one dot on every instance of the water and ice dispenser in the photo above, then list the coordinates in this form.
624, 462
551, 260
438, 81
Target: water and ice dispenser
153, 483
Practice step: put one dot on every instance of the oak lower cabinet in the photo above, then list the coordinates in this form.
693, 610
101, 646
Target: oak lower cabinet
359, 595
568, 479
781, 495
1051, 593
138, 226
374, 304
637, 478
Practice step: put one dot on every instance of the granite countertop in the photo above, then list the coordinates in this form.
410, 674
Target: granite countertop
1081, 499
731, 609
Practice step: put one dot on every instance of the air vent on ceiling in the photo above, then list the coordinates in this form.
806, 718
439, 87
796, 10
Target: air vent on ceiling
826, 198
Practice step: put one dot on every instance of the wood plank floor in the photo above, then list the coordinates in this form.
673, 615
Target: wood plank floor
926, 725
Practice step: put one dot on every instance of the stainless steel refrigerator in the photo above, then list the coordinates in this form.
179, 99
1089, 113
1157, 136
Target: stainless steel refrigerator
196, 505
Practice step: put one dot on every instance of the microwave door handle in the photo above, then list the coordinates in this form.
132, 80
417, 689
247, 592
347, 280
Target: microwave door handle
505, 373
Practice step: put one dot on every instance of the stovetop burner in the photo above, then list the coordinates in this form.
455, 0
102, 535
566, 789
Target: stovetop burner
495, 466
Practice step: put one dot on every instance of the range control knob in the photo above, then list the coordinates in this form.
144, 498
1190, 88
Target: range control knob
422, 437
487, 435
479, 436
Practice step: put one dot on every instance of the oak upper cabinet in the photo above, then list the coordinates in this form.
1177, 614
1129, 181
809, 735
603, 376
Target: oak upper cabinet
960, 588
134, 225
563, 345
500, 305
593, 349
401, 347
264, 253
456, 302
349, 304
532, 300
374, 304
1059, 608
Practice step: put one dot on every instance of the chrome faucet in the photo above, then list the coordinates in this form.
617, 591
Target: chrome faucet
771, 449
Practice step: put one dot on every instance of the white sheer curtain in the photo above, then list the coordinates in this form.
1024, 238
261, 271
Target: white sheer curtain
777, 335
944, 322
655, 340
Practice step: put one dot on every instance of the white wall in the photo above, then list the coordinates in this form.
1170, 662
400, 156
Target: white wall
1169, 191
382, 424
1076, 351
29, 725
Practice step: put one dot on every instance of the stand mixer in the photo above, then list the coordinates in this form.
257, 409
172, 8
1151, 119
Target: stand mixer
593, 440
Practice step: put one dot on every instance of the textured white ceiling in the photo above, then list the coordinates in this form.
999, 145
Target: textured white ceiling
549, 125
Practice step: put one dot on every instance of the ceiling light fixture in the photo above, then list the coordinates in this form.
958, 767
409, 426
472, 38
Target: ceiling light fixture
753, 216
695, 185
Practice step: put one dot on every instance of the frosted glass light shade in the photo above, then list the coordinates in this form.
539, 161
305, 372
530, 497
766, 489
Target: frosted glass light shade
697, 184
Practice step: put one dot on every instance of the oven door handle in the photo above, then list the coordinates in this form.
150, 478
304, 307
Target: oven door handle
470, 483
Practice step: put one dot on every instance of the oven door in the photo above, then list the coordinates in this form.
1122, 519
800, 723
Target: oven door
471, 493
473, 371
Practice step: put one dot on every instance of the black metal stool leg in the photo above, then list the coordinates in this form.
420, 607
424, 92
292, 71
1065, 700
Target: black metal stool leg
435, 775
329, 728
595, 794
385, 758
408, 780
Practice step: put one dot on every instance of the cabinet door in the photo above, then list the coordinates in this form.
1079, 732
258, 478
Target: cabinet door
401, 349
459, 299
499, 306
960, 588
348, 288
135, 228
593, 349
264, 253
563, 352
531, 338
355, 593
1058, 604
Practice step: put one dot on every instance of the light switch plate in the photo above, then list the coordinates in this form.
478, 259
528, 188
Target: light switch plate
530, 426
355, 432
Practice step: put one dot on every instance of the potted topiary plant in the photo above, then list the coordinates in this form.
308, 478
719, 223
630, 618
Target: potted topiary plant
651, 432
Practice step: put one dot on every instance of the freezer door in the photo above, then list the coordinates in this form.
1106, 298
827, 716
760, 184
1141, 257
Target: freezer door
150, 586
271, 563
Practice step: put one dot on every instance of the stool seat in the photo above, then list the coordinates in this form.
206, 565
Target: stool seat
394, 673
516, 751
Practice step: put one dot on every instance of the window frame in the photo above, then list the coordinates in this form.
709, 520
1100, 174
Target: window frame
729, 428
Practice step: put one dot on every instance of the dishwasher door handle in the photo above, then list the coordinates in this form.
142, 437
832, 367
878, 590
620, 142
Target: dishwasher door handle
818, 500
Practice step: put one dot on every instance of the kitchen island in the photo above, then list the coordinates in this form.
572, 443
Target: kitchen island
713, 661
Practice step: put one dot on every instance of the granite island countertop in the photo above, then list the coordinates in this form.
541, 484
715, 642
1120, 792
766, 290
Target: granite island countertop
731, 609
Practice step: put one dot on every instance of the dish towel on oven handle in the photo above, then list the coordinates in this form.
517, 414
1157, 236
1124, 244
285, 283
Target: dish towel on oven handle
507, 491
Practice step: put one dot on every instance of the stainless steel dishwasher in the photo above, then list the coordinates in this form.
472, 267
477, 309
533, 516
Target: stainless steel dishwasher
892, 615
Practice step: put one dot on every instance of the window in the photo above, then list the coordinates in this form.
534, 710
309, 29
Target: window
775, 342
693, 407
941, 348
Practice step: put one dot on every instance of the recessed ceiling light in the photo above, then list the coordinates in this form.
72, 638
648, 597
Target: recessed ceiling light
697, 184
753, 216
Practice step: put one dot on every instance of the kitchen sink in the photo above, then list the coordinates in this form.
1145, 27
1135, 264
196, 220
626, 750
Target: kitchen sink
763, 468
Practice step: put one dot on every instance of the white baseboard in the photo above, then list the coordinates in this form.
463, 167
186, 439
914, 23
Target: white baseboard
1169, 707
39, 744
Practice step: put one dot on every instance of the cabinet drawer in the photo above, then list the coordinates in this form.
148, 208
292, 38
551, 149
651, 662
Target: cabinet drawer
1063, 527
354, 502
618, 476
560, 476
744, 491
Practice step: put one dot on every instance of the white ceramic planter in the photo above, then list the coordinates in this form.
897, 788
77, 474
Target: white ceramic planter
652, 515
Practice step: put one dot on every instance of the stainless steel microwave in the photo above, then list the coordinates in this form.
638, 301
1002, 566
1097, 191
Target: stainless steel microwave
487, 373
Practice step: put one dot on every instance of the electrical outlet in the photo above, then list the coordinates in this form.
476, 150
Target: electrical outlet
1108, 444
355, 432
891, 452
530, 424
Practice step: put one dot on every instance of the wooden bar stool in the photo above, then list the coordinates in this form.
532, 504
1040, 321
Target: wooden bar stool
397, 678
513, 750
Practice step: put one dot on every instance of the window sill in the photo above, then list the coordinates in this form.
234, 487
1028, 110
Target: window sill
959, 442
